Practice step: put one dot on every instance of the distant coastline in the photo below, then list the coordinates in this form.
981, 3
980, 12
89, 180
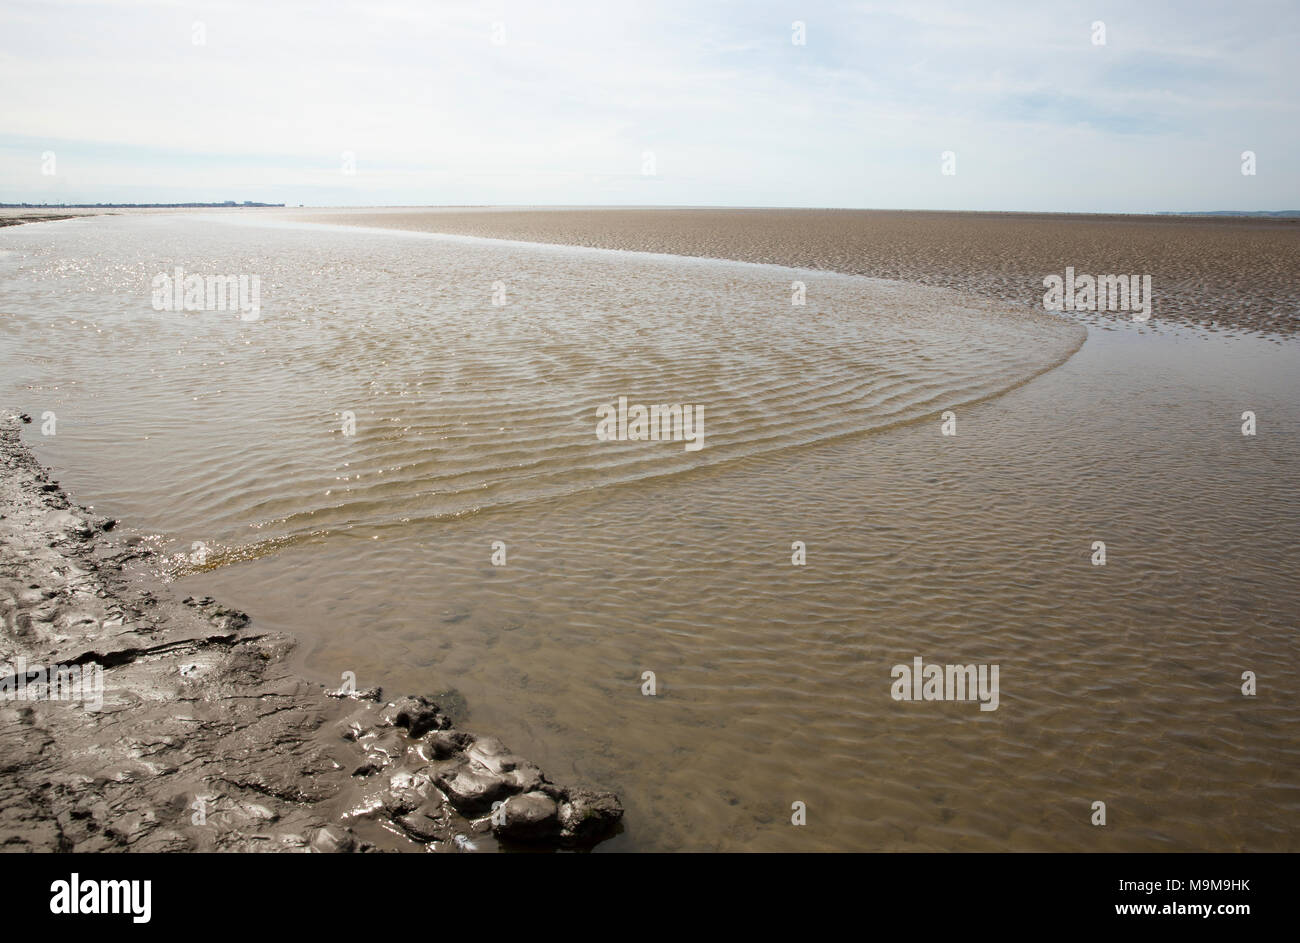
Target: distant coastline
226, 204
129, 206
1269, 214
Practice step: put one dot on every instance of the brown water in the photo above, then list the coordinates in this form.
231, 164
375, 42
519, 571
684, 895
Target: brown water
476, 423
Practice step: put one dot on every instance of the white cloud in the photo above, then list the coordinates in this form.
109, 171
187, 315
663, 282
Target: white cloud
562, 112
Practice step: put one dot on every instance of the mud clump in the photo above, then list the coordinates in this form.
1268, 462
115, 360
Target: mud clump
195, 736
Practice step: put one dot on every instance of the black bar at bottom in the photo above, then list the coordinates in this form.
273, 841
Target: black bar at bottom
1215, 893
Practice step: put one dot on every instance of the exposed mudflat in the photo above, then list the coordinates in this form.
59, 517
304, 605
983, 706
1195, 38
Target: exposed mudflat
13, 218
200, 739
1237, 273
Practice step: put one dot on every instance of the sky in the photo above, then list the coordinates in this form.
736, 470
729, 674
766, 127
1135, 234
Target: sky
397, 102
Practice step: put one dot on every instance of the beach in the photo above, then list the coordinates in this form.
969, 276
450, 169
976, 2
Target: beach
946, 453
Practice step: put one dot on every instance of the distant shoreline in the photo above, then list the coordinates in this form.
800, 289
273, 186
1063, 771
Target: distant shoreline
229, 204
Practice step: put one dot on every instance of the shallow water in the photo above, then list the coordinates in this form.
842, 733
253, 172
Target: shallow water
475, 424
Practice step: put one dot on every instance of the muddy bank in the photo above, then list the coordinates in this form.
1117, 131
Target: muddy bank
174, 725
18, 220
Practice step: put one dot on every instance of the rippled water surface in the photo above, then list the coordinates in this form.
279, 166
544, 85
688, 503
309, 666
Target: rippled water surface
475, 423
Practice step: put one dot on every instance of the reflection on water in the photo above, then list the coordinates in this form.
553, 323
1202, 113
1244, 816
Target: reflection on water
475, 424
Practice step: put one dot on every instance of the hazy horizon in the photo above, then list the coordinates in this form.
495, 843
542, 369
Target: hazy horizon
252, 204
255, 204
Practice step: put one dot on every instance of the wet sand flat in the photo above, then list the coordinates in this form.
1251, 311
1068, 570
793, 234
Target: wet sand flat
1225, 272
